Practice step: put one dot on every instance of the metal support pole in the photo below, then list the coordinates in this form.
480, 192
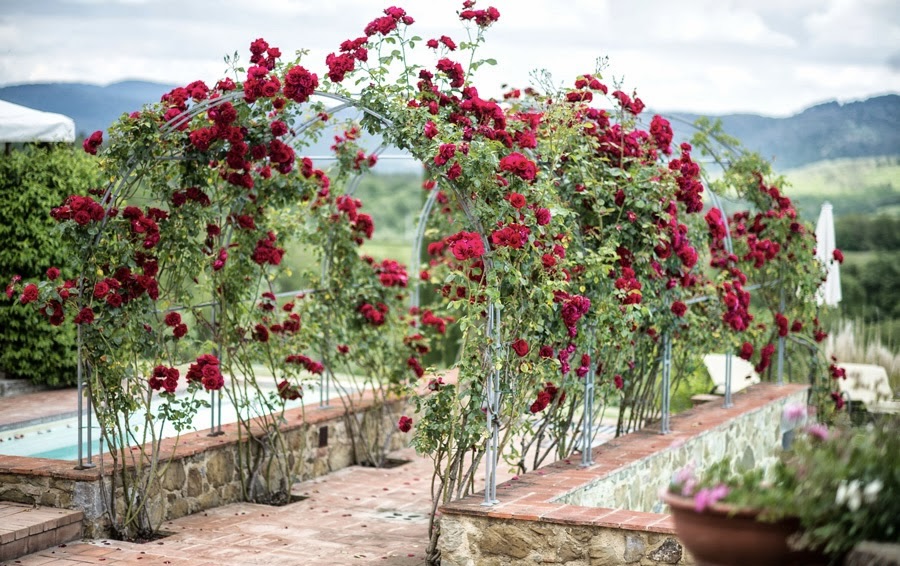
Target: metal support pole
587, 432
666, 383
80, 376
215, 428
728, 402
780, 379
90, 425
492, 403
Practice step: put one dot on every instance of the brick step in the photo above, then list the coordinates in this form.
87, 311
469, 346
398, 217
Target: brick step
25, 529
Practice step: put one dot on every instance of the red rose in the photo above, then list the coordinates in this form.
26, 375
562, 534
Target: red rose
299, 84
85, 316
173, 319
466, 245
92, 143
29, 294
838, 256
179, 331
679, 308
542, 216
52, 273
520, 347
619, 382
519, 165
516, 200
405, 424
288, 392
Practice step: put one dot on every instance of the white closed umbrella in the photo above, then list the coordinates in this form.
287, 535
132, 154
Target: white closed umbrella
829, 292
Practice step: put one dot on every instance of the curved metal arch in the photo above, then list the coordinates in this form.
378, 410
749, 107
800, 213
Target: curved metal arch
492, 391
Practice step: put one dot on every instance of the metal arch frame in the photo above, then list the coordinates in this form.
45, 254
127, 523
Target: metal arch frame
492, 397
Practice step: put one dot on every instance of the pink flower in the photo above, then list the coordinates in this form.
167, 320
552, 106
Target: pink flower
818, 431
794, 413
707, 497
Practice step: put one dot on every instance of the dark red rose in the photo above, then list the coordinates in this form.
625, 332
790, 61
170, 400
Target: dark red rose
520, 347
405, 424
29, 294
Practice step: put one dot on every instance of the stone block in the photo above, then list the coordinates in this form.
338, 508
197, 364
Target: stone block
874, 554
669, 552
194, 483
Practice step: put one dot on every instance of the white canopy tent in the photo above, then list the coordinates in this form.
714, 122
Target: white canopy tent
19, 124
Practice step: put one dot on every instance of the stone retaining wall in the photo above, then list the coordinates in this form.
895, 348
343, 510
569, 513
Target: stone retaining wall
602, 514
201, 472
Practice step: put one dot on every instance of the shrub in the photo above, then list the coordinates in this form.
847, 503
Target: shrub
33, 180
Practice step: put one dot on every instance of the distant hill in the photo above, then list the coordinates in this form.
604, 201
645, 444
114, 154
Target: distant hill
867, 128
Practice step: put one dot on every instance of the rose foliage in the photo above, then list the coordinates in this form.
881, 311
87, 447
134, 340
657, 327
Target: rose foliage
571, 236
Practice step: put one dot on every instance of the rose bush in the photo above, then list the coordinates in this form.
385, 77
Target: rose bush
570, 247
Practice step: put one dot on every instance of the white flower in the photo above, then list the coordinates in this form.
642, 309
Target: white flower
849, 494
870, 492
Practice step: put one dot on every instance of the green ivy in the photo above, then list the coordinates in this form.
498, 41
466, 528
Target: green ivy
33, 180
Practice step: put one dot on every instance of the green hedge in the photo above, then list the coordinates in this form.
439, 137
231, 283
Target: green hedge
33, 180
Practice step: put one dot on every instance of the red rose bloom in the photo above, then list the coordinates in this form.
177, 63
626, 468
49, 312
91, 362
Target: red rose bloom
466, 245
405, 424
173, 319
679, 308
519, 165
288, 392
516, 200
93, 143
299, 84
29, 294
85, 316
838, 256
520, 347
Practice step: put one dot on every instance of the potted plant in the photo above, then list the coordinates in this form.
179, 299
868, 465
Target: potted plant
833, 488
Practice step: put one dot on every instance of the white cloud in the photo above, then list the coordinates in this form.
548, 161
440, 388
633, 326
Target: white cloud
767, 56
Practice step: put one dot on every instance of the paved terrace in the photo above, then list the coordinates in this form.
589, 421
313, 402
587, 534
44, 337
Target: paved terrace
356, 515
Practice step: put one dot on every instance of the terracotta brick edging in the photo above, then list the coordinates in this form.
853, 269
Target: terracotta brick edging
201, 474
544, 503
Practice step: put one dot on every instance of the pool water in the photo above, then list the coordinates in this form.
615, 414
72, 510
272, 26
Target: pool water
58, 439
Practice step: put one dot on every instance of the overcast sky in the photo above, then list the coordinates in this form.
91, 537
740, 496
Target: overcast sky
773, 57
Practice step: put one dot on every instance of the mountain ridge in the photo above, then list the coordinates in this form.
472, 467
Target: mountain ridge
829, 130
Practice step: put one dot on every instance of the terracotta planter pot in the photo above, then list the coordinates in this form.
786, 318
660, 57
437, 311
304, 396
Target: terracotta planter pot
723, 536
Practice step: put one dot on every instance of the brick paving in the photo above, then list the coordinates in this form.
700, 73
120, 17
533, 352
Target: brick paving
357, 515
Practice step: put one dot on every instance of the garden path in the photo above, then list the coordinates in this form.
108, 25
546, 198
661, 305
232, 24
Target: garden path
352, 516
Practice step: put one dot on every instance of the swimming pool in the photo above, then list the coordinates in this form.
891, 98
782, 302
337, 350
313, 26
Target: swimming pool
58, 439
